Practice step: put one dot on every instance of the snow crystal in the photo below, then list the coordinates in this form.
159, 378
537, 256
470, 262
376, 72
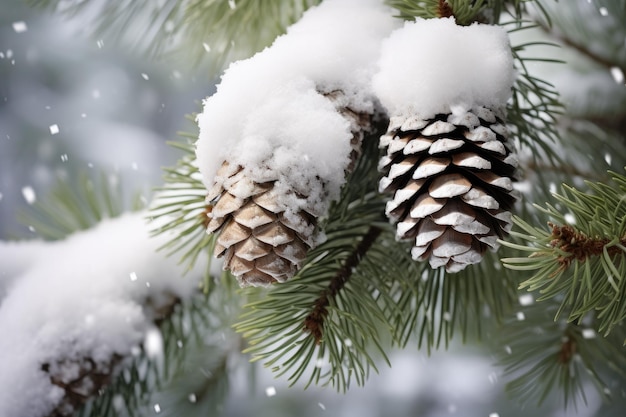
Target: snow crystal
526, 299
192, 398
268, 110
432, 66
588, 333
54, 129
322, 406
494, 415
145, 76
270, 391
153, 343
71, 299
157, 408
603, 11
0, 196
617, 74
569, 218
520, 316
29, 194
20, 27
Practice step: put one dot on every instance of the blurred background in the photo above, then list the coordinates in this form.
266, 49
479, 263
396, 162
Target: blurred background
72, 103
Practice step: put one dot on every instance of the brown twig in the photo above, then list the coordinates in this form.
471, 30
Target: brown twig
314, 322
444, 9
567, 351
579, 246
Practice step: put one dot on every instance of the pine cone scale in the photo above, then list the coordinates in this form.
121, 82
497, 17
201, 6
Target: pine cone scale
451, 179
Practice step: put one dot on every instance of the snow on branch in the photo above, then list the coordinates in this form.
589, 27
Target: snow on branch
83, 304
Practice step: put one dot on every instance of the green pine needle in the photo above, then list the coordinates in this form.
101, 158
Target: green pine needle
543, 357
581, 259
78, 202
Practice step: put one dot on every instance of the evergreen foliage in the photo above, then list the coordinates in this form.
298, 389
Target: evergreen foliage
359, 292
203, 31
582, 257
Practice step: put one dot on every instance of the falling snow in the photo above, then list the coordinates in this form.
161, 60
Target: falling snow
20, 27
526, 299
54, 129
569, 218
617, 74
29, 194
270, 391
589, 333
153, 343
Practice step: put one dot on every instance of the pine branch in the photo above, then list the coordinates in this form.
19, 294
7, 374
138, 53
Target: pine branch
329, 319
180, 209
576, 246
200, 31
544, 357
314, 322
576, 22
167, 380
78, 202
583, 263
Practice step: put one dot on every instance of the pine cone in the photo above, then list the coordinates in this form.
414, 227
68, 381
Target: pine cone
261, 240
81, 379
452, 182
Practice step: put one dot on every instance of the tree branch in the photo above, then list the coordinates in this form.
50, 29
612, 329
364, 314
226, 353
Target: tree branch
314, 322
581, 49
579, 245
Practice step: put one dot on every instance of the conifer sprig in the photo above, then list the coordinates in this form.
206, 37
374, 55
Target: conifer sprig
543, 357
581, 257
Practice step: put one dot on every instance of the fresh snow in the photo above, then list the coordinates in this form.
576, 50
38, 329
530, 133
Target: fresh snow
268, 115
81, 297
434, 66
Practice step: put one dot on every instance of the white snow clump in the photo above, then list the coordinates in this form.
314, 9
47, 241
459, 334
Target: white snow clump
75, 299
268, 115
434, 66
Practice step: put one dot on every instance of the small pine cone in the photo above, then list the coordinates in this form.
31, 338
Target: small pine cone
261, 239
260, 245
451, 179
80, 379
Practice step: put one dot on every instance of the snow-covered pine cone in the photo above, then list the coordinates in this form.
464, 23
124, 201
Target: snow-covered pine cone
259, 242
451, 179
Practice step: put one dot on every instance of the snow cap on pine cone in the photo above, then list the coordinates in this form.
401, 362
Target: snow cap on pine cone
284, 124
447, 163
434, 66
